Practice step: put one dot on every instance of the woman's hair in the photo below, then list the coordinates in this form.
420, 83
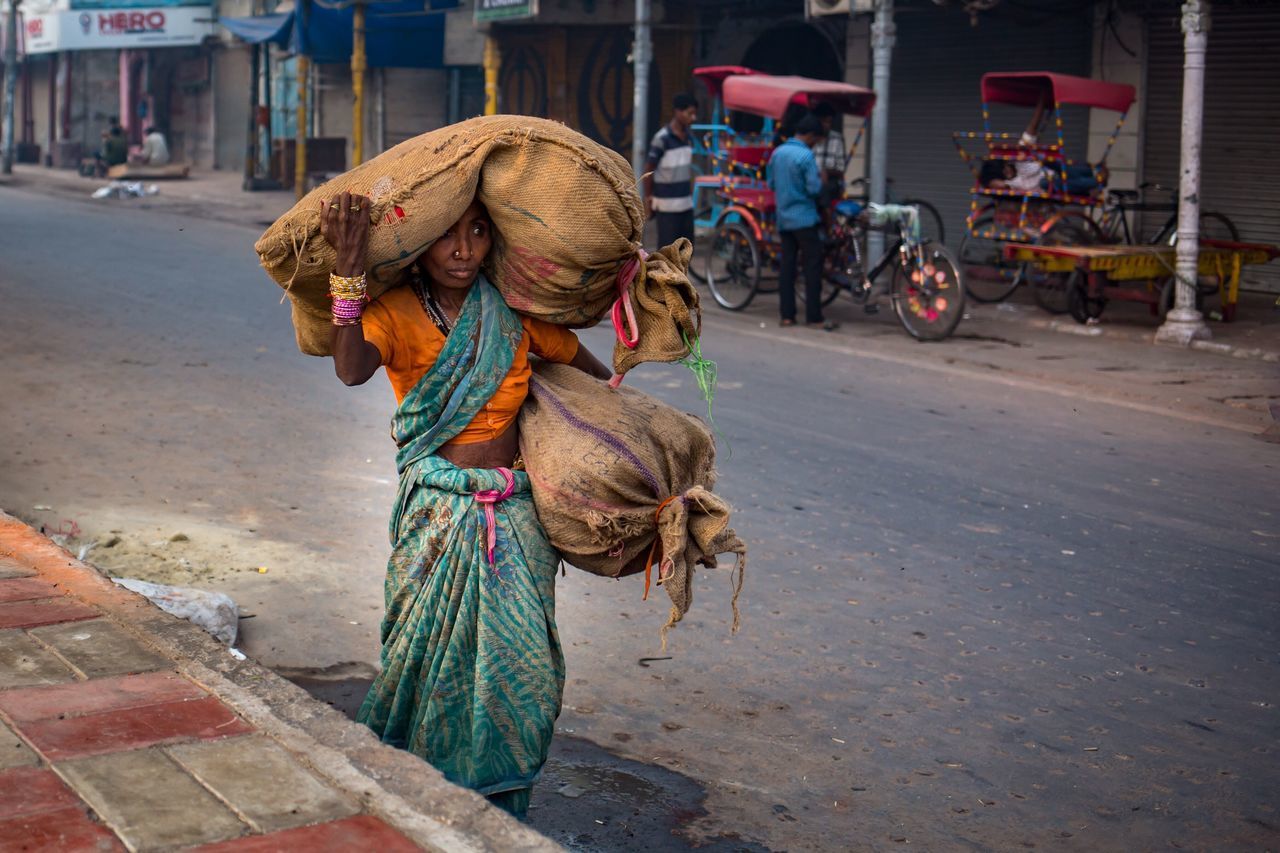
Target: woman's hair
991, 170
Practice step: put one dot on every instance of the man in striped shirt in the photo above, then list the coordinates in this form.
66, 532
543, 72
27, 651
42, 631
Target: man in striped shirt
668, 182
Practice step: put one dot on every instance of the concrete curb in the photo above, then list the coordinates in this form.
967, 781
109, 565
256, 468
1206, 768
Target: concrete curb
393, 785
1135, 335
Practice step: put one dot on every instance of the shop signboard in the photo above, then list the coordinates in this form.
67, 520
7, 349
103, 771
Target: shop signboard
505, 10
108, 28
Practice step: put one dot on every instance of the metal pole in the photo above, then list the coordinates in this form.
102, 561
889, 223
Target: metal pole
10, 87
64, 82
492, 63
300, 144
51, 137
1184, 324
380, 110
640, 108
454, 112
251, 140
357, 85
264, 150
883, 36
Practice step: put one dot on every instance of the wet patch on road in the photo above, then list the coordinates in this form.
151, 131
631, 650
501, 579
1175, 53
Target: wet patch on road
591, 799
588, 798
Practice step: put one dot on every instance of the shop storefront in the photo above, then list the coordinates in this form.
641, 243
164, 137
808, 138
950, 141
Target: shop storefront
90, 60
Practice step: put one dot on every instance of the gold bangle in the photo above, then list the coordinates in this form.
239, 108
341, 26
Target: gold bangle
347, 287
357, 295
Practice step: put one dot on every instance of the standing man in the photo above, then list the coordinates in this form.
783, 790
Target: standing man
794, 179
831, 156
668, 180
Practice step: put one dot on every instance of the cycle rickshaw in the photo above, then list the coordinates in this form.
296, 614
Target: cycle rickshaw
926, 290
712, 143
1055, 214
1061, 239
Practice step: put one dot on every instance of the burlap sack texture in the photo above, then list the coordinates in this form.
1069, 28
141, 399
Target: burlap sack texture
566, 210
613, 469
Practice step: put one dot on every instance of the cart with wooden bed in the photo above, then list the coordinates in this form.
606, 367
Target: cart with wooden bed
1096, 274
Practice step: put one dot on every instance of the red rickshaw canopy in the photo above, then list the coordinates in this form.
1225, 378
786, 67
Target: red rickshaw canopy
713, 76
766, 95
1025, 88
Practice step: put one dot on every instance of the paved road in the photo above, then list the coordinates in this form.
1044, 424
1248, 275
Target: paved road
985, 609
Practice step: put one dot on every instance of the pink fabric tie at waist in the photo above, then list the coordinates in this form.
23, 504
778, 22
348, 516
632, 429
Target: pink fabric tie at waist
487, 499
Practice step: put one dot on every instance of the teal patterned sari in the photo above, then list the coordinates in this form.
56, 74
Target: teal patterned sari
472, 671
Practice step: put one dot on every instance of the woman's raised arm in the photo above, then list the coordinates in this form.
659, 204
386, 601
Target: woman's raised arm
344, 222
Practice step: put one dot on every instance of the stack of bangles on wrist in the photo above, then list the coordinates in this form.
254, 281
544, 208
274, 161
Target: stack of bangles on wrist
349, 297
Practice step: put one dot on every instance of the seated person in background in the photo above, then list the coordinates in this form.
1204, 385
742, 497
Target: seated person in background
114, 150
1031, 175
154, 151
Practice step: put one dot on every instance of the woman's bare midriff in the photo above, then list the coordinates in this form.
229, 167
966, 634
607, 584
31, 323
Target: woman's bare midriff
497, 452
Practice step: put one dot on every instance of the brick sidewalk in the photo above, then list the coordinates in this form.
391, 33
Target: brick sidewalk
122, 727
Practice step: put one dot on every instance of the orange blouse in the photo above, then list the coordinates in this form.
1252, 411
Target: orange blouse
410, 343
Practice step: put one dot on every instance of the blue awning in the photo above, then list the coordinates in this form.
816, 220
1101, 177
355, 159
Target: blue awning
276, 29
398, 34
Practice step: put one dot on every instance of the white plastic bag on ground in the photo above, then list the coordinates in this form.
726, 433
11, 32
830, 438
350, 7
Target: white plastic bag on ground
212, 611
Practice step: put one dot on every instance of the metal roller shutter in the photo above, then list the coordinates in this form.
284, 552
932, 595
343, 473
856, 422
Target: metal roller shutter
417, 101
1240, 172
937, 63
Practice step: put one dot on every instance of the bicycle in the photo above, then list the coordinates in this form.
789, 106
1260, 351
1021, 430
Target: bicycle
926, 289
931, 227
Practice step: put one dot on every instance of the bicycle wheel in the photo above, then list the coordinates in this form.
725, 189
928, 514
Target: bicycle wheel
931, 228
928, 292
733, 266
1082, 305
1052, 290
697, 269
1216, 226
1213, 226
988, 277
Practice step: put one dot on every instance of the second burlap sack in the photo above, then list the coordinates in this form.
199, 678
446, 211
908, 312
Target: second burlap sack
567, 214
622, 481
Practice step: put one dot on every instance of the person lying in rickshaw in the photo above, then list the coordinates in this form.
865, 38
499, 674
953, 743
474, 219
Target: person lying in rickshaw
1032, 175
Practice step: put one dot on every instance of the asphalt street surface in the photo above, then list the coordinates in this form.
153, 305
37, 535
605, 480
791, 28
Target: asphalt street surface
981, 612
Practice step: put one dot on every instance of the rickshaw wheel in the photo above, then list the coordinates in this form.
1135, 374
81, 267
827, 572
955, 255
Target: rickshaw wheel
733, 266
928, 300
1052, 290
988, 277
1082, 306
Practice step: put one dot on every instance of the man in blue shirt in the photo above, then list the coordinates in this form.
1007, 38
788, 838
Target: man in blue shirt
794, 179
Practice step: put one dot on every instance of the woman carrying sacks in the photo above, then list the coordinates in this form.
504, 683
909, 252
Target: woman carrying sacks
472, 671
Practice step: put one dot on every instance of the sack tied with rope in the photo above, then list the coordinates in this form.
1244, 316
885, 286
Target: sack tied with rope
569, 223
622, 484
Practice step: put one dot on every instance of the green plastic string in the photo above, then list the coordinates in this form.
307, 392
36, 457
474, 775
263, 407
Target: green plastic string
704, 373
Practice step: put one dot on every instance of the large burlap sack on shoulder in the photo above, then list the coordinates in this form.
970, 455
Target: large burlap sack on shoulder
566, 210
613, 472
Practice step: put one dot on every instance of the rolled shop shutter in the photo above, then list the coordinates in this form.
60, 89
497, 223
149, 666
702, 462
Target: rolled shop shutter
1240, 169
417, 101
938, 61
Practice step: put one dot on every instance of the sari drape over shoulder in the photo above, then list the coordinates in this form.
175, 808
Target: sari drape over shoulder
472, 669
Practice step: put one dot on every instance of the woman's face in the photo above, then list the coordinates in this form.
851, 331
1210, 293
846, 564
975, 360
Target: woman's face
454, 260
